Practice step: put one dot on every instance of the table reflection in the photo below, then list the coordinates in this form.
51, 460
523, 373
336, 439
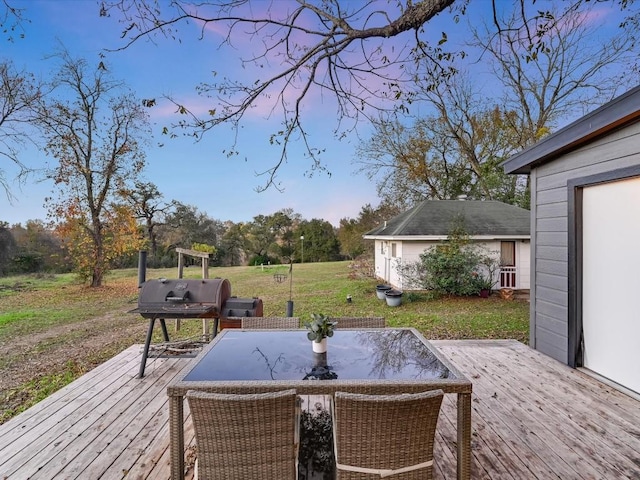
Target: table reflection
387, 354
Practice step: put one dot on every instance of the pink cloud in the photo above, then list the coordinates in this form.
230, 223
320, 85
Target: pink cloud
247, 43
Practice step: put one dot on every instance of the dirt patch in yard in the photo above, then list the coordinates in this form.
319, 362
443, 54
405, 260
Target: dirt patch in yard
62, 351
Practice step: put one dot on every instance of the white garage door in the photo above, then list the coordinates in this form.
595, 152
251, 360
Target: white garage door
611, 281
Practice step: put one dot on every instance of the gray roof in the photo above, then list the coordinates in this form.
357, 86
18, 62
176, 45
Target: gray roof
436, 218
618, 113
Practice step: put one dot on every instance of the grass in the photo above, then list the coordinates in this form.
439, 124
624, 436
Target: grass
33, 304
313, 288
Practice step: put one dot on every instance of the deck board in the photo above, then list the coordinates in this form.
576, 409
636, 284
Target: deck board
532, 418
591, 439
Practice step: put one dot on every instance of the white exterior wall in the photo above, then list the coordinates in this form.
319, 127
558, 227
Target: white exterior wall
409, 251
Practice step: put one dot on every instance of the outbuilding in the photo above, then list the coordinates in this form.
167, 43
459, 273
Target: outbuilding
501, 230
585, 249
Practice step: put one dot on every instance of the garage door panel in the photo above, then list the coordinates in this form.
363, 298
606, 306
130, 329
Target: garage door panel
611, 281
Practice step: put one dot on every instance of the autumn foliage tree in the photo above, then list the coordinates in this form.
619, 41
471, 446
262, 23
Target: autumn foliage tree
95, 130
120, 238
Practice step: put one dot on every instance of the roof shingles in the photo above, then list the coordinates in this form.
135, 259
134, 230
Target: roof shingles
437, 217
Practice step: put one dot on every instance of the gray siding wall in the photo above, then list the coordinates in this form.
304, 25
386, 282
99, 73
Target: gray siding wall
549, 235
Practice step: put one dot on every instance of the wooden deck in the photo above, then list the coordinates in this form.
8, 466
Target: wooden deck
532, 418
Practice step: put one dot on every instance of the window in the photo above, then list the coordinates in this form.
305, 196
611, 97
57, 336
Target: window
393, 250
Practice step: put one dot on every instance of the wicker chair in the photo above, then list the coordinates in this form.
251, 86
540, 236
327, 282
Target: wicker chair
246, 436
359, 322
385, 434
270, 322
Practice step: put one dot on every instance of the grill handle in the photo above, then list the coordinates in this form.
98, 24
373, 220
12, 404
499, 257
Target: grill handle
173, 298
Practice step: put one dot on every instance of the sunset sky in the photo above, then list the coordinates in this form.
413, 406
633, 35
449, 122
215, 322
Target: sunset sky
199, 174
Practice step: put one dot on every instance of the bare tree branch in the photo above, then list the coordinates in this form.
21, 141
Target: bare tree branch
11, 20
552, 64
330, 47
18, 94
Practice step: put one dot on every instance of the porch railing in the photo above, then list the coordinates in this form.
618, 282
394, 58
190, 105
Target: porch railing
507, 277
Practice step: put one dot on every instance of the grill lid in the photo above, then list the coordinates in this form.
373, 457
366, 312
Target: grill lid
182, 298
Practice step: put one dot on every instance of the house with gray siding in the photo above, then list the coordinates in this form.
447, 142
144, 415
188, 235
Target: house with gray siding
585, 242
498, 229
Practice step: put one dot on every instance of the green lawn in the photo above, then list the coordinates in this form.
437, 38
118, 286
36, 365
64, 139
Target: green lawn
39, 303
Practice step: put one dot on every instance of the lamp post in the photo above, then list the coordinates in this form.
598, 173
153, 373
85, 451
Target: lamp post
302, 255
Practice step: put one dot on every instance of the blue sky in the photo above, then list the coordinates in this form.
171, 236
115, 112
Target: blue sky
197, 174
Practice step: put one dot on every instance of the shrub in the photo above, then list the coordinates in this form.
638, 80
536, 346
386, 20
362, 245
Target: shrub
451, 269
456, 267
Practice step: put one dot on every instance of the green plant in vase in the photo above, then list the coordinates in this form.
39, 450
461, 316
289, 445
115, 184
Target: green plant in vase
319, 329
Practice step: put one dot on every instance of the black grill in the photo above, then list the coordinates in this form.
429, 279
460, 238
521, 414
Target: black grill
235, 308
182, 298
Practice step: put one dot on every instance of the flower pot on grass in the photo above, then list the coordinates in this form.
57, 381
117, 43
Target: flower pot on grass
381, 289
394, 297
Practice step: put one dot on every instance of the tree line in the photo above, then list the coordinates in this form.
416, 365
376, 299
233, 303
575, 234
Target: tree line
281, 237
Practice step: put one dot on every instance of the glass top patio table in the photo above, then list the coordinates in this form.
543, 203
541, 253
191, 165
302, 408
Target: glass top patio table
373, 361
374, 354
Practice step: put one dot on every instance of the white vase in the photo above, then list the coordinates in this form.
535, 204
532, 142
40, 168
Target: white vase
321, 346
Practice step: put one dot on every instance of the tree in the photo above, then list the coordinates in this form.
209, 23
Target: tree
149, 207
556, 65
365, 57
320, 241
38, 249
260, 238
282, 224
411, 163
95, 130
549, 65
120, 239
351, 230
350, 238
18, 95
441, 157
7, 248
184, 226
232, 245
